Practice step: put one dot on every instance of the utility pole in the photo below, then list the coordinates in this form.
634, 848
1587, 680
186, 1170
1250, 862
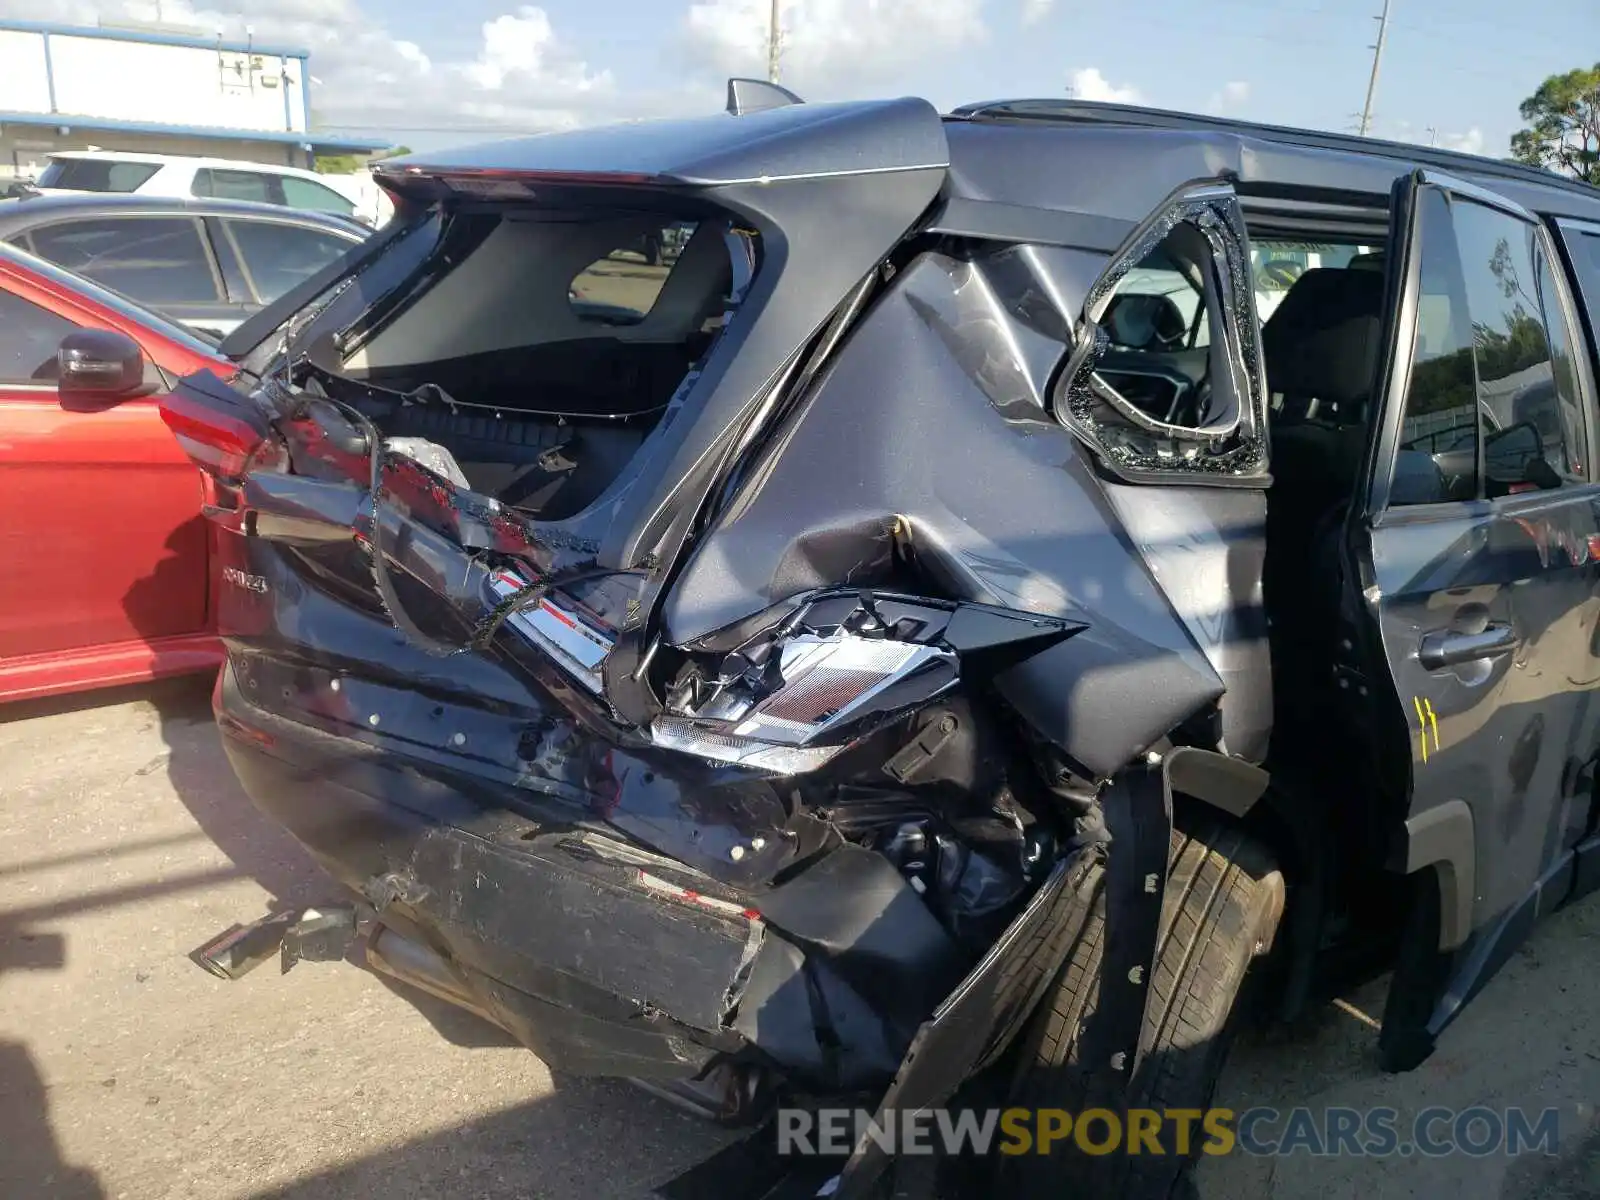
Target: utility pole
772, 45
1377, 60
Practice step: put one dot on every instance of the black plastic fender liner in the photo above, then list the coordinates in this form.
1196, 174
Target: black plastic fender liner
976, 1023
855, 908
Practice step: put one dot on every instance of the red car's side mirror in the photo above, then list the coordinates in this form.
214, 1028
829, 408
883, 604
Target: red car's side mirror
101, 361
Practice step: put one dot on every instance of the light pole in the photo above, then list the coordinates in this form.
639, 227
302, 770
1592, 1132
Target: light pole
772, 45
1377, 60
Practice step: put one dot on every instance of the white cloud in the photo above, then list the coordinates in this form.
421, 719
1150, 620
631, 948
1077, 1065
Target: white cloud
1034, 11
1087, 83
522, 73
1229, 98
524, 46
1471, 141
831, 46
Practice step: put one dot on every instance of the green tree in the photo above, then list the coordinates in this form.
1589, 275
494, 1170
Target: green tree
340, 164
1564, 125
351, 164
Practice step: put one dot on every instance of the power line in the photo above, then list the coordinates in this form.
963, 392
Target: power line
1377, 61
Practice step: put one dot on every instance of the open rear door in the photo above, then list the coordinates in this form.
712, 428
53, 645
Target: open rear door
1481, 571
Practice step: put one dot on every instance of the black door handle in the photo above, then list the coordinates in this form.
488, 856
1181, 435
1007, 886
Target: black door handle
1450, 647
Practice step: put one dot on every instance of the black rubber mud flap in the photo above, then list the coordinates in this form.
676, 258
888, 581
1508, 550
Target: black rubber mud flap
1138, 814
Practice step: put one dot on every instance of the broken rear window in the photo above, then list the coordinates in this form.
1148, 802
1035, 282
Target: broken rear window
537, 347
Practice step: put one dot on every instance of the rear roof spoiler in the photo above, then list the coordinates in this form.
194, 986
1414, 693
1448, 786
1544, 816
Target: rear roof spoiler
757, 95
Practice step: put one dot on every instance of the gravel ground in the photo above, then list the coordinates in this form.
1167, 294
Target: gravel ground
125, 1071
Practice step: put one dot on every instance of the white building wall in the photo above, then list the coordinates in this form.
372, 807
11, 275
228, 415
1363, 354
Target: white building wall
131, 80
24, 81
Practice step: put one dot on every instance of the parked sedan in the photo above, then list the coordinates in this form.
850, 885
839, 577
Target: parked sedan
105, 562
206, 263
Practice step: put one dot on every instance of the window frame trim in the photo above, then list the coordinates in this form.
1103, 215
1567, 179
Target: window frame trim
1568, 302
1587, 319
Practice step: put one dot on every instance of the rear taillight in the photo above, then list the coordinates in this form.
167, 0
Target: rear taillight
220, 429
555, 626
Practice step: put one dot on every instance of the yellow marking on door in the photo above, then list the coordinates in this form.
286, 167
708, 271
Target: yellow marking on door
1422, 720
1433, 721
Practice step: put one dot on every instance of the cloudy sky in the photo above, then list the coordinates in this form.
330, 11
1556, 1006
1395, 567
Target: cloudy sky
427, 74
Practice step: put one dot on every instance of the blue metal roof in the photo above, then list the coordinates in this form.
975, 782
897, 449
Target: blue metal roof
314, 141
153, 38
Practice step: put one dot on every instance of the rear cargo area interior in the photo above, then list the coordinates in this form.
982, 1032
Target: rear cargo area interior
555, 345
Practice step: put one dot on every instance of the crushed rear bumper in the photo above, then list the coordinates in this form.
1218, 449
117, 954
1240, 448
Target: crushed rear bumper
603, 956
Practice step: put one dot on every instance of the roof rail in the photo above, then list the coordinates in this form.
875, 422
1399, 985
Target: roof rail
1092, 112
757, 95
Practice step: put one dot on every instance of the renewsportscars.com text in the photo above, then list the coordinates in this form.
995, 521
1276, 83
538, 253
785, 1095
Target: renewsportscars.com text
1335, 1132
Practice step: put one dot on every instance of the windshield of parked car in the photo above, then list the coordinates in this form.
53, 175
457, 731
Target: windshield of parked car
96, 174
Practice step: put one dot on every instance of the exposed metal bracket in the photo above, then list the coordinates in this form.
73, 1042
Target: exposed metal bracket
757, 95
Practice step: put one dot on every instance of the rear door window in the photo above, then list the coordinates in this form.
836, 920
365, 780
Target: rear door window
222, 184
279, 255
152, 260
1494, 399
97, 174
308, 194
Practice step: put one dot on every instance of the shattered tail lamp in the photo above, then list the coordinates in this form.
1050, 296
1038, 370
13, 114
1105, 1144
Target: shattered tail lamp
790, 699
795, 718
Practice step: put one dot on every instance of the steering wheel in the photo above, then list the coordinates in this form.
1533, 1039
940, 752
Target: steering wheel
1141, 365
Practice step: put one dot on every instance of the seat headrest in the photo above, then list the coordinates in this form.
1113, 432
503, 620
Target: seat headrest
1323, 339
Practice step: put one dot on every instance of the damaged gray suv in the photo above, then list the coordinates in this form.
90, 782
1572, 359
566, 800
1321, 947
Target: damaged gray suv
1010, 588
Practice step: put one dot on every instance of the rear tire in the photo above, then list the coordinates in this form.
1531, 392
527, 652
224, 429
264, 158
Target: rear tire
1223, 900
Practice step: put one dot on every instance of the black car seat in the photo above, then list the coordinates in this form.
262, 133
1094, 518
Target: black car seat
1320, 348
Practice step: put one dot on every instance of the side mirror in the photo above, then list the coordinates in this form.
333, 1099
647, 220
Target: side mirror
1515, 456
102, 361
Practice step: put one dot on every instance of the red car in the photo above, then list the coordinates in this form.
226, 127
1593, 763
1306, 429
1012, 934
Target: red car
105, 574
